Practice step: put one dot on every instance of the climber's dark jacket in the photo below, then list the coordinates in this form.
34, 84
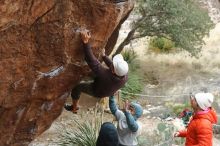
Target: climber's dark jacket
106, 83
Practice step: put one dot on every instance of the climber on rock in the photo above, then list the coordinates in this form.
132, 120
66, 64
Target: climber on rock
107, 79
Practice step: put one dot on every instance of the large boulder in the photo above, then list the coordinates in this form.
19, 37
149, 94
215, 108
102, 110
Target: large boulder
41, 58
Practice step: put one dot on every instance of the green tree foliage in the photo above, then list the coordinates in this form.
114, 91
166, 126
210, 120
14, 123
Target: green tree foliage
182, 21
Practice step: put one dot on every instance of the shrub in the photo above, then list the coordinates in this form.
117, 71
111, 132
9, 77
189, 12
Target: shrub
178, 108
161, 45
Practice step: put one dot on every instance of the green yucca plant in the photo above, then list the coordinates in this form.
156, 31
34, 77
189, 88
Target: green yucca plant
129, 55
81, 133
134, 84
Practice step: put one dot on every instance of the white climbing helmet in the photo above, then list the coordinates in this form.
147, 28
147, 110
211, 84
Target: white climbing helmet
120, 65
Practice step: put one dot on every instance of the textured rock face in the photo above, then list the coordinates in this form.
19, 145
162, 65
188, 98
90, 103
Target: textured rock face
41, 58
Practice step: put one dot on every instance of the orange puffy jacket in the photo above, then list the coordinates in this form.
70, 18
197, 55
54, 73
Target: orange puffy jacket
199, 131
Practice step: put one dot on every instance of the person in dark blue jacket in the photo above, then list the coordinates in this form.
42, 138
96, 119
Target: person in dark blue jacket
108, 135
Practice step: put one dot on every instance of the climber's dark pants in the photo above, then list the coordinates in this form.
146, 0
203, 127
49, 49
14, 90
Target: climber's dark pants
85, 87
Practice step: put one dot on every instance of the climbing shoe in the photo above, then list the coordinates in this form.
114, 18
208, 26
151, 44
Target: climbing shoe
69, 107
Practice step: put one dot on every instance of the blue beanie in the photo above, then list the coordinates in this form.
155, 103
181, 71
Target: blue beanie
108, 135
138, 110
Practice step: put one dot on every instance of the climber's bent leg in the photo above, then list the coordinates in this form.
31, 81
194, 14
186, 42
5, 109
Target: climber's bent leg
85, 87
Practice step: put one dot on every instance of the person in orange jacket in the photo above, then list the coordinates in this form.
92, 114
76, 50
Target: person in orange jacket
199, 131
